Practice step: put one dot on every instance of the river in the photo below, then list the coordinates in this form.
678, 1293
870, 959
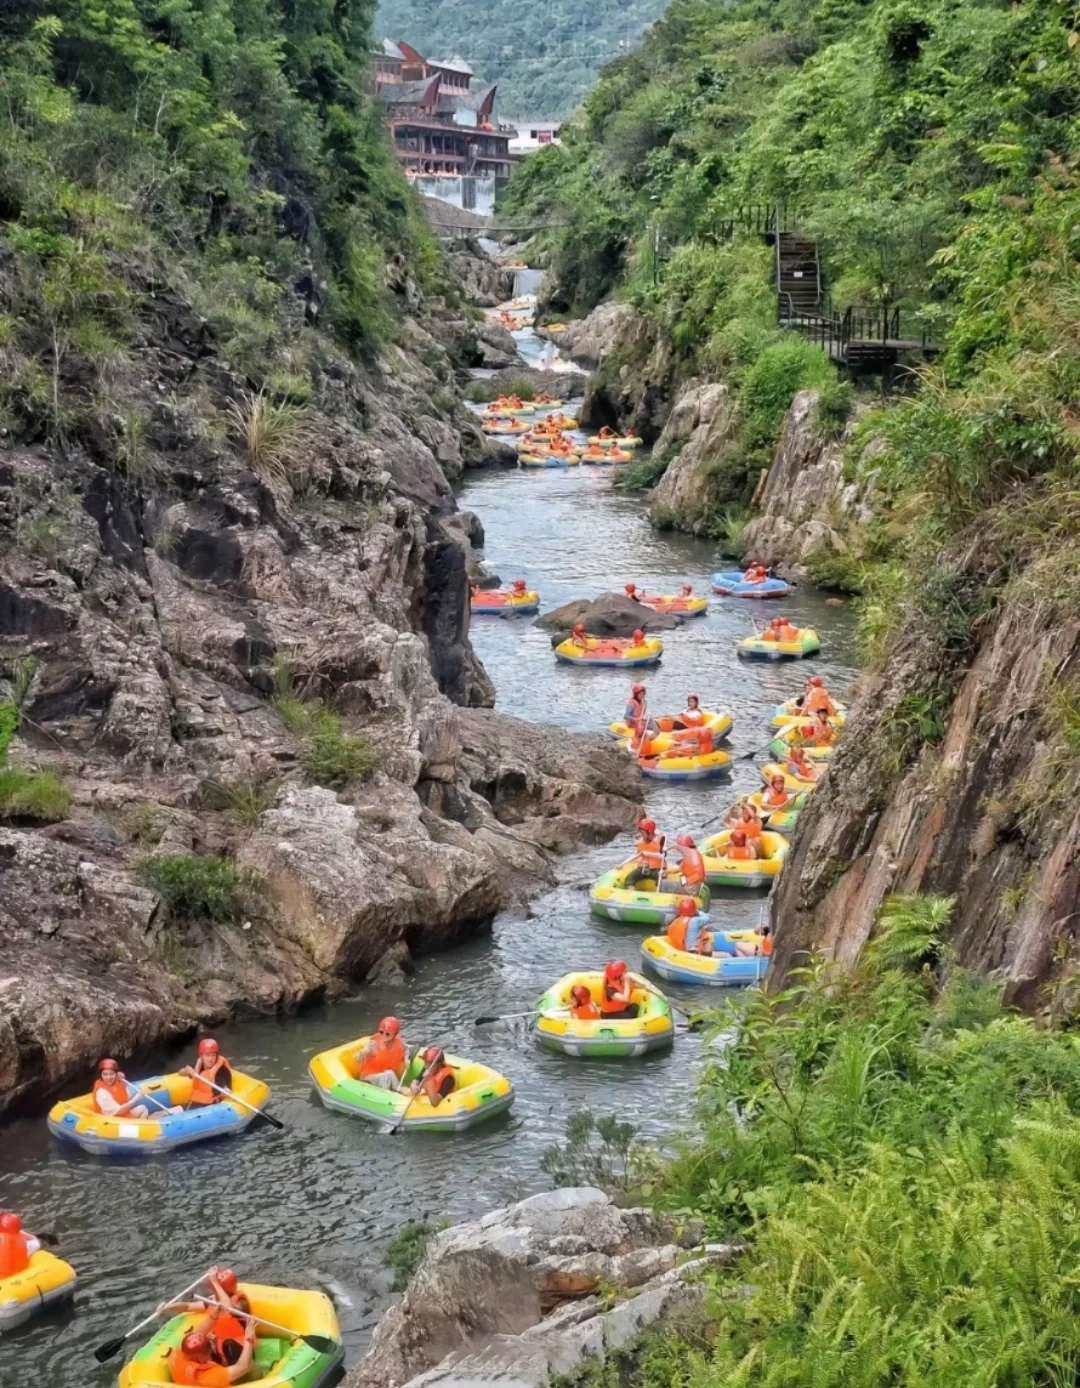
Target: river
316, 1204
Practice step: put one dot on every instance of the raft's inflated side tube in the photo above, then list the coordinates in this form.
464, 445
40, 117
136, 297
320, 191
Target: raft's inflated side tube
652, 1029
624, 895
548, 459
791, 736
716, 970
754, 648
678, 604
718, 723
733, 585
721, 871
500, 603
78, 1121
46, 1282
481, 1093
783, 715
706, 766
605, 652
279, 1360
780, 821
774, 768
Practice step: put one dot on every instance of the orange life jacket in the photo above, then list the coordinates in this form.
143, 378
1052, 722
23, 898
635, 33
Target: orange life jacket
817, 736
201, 1093
14, 1257
433, 1082
776, 799
802, 769
755, 574
739, 851
387, 1055
766, 944
226, 1326
648, 747
585, 1011
786, 632
118, 1089
750, 827
818, 698
610, 1003
650, 853
676, 933
705, 742
692, 867
208, 1375
692, 717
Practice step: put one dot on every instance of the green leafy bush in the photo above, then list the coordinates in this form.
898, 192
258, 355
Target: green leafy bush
40, 796
335, 758
202, 888
406, 1249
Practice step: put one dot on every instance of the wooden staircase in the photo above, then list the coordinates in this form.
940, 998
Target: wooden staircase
798, 277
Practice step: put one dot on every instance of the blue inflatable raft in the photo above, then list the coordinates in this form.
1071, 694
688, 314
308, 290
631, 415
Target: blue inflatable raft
731, 585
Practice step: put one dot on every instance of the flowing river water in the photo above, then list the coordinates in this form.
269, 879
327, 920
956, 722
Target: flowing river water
315, 1205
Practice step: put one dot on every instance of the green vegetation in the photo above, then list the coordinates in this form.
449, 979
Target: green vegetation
596, 1153
408, 1246
223, 151
902, 1155
38, 796
332, 757
202, 889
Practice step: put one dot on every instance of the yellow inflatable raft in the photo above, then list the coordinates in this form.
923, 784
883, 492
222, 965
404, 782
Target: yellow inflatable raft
790, 712
718, 723
610, 651
280, 1361
481, 1093
806, 643
624, 893
705, 766
616, 441
793, 736
557, 1030
774, 768
722, 871
715, 970
47, 1281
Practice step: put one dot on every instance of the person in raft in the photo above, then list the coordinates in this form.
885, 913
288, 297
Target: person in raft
650, 850
689, 931
115, 1098
776, 795
690, 877
437, 1078
382, 1060
211, 1068
582, 1007
193, 1360
815, 695
756, 572
798, 764
227, 1328
751, 948
618, 990
635, 706
631, 591
16, 1246
692, 715
739, 847
780, 629
819, 733
744, 816
577, 635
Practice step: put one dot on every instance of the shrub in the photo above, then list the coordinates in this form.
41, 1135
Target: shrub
245, 801
337, 759
269, 432
202, 888
643, 474
406, 1249
772, 382
842, 572
834, 402
597, 1152
730, 531
40, 796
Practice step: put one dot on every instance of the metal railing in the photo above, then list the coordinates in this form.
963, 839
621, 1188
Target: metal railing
759, 218
833, 331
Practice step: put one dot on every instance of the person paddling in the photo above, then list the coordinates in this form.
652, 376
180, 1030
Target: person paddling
382, 1059
618, 991
437, 1079
211, 1068
582, 1007
16, 1246
193, 1361
635, 705
227, 1330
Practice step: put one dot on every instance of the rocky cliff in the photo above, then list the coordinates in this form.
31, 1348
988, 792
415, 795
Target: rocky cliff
204, 601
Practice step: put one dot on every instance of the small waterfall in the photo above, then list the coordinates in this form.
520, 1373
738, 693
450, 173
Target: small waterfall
467, 192
527, 282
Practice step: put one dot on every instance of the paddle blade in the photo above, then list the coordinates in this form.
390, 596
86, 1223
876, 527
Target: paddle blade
107, 1350
274, 1122
321, 1344
486, 1021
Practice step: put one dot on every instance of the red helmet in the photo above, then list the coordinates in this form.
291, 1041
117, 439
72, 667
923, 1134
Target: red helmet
738, 836
687, 589
637, 689
196, 1345
227, 1281
777, 780
107, 1064
10, 1224
580, 994
639, 636
815, 680
692, 697
615, 969
208, 1046
630, 588
687, 906
685, 841
390, 1025
578, 629
432, 1055
647, 826
519, 584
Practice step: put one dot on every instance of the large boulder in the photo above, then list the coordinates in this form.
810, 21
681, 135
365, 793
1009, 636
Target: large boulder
510, 1296
610, 614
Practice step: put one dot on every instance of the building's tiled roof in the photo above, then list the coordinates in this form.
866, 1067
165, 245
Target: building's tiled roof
454, 64
391, 50
451, 102
412, 92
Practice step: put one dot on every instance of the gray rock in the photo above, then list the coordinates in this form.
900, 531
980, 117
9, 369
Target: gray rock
610, 614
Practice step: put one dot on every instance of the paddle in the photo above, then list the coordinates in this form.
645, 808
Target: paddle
111, 1347
392, 1129
689, 1020
258, 1112
321, 1344
517, 1016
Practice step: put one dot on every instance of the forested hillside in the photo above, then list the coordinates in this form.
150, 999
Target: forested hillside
544, 57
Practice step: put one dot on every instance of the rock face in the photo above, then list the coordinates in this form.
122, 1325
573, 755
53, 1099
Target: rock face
987, 814
610, 614
512, 1297
484, 281
698, 430
588, 341
806, 507
170, 588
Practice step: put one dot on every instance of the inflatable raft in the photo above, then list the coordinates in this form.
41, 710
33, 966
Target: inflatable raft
721, 871
774, 768
677, 604
78, 1121
481, 1093
615, 441
780, 821
46, 1282
754, 648
790, 712
652, 1029
792, 736
610, 651
619, 897
528, 459
715, 970
732, 585
671, 766
505, 602
280, 1361
718, 723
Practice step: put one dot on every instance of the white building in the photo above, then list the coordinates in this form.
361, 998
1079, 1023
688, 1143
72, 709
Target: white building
533, 135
